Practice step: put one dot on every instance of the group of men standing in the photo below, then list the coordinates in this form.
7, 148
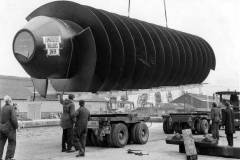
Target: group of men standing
226, 120
74, 125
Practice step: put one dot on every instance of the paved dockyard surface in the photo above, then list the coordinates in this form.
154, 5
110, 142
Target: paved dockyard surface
44, 143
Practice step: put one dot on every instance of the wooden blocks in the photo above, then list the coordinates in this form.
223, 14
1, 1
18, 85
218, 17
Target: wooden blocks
206, 148
189, 144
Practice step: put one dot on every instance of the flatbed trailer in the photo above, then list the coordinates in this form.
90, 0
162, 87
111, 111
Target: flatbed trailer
198, 122
113, 125
117, 130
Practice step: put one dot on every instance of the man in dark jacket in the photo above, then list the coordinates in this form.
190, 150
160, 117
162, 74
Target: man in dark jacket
216, 117
67, 122
229, 124
8, 115
82, 116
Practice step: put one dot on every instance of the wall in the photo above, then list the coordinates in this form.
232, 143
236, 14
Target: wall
33, 110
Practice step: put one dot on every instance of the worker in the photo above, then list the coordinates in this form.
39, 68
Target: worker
82, 116
229, 124
9, 124
216, 117
67, 122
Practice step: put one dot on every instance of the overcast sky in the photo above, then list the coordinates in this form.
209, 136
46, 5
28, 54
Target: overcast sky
217, 21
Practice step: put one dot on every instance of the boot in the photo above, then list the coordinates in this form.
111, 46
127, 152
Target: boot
69, 151
80, 155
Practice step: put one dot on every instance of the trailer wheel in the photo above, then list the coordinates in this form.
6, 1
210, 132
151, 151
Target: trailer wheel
109, 140
95, 140
204, 126
132, 133
198, 126
210, 128
185, 126
177, 127
103, 142
88, 140
167, 128
119, 135
141, 133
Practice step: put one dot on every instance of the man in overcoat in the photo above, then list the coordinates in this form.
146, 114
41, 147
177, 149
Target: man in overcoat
8, 120
229, 124
216, 117
67, 122
82, 116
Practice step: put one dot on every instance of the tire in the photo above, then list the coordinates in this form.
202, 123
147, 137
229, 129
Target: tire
167, 128
177, 128
119, 135
141, 133
103, 142
185, 126
210, 129
198, 126
204, 126
109, 140
132, 134
88, 140
95, 140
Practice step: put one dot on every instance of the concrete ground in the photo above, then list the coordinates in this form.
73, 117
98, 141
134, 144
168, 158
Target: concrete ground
45, 144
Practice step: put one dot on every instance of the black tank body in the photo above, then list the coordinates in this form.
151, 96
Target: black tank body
83, 49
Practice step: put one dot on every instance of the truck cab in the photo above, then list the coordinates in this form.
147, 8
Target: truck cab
124, 106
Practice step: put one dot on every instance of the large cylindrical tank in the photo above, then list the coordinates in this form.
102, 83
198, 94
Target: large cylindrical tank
80, 48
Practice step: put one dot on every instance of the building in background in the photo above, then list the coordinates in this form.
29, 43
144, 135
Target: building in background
197, 102
21, 91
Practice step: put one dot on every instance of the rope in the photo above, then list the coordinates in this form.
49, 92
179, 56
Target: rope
129, 7
165, 10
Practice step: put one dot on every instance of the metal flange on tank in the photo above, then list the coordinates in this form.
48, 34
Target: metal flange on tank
80, 48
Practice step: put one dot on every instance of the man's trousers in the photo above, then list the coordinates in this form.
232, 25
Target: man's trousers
230, 139
80, 136
67, 138
215, 130
11, 137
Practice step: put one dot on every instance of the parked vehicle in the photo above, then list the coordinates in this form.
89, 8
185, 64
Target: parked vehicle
199, 122
113, 125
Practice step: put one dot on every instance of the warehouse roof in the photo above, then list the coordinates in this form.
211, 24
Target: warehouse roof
199, 97
202, 97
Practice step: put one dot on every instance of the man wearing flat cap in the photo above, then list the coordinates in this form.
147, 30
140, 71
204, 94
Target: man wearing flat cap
80, 130
67, 122
216, 117
228, 121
